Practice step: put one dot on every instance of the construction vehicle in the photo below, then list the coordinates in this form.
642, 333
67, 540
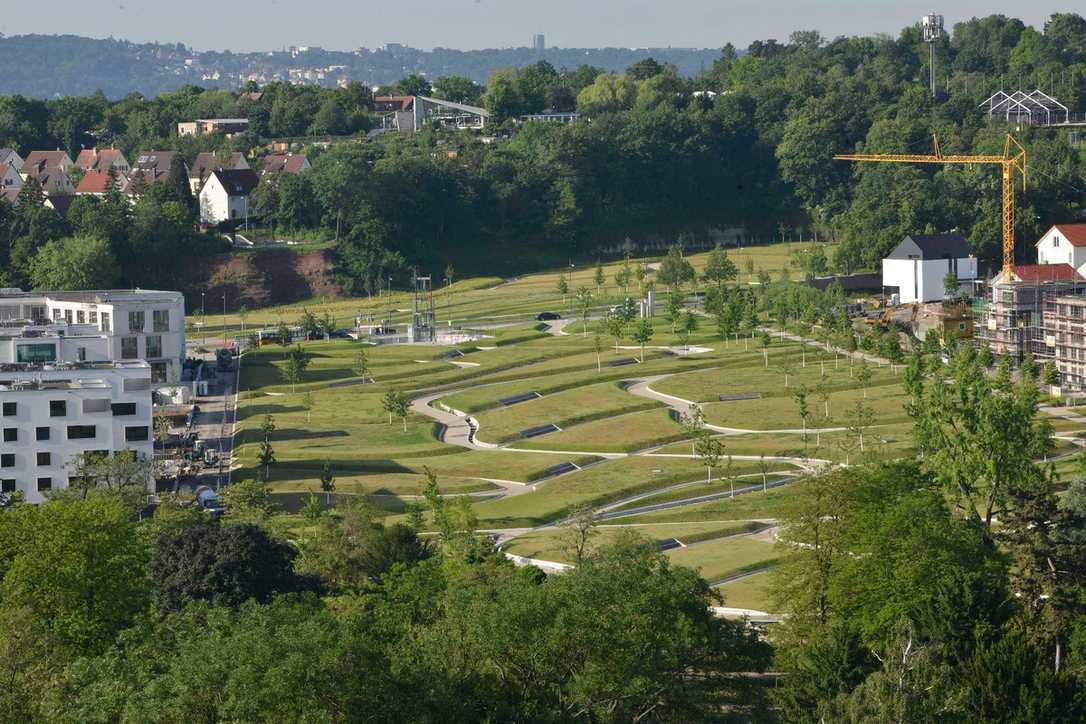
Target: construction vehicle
1013, 158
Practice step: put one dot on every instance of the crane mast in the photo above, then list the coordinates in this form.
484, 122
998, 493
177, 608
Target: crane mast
1013, 158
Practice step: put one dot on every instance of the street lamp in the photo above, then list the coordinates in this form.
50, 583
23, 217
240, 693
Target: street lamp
203, 322
224, 321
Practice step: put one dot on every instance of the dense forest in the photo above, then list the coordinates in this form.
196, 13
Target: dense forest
655, 155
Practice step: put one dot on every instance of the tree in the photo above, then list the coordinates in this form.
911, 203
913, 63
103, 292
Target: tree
624, 275
584, 305
719, 268
693, 423
1051, 375
800, 397
599, 278
563, 288
328, 482
864, 375
688, 325
361, 366
766, 341
266, 458
616, 327
675, 309
75, 262
307, 403
597, 345
607, 94
675, 270
76, 569
225, 565
642, 335
296, 364
580, 529
458, 89
395, 403
710, 450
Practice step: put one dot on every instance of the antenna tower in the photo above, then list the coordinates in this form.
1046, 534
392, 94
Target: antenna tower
932, 25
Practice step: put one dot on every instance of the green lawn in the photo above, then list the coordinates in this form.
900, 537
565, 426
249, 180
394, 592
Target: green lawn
624, 433
753, 592
719, 558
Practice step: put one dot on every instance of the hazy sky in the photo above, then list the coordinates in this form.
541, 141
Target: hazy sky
347, 24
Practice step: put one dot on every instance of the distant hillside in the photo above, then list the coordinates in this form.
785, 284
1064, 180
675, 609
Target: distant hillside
46, 66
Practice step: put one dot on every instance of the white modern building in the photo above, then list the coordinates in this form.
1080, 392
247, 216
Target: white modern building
95, 326
51, 415
918, 266
1063, 244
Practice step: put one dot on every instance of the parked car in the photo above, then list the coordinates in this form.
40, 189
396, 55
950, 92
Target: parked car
384, 330
547, 316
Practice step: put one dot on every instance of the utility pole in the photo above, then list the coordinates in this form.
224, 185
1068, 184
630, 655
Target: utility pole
932, 26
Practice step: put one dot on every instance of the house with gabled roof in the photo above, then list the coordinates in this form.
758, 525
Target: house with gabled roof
96, 183
10, 180
1063, 244
50, 168
225, 196
208, 161
11, 158
91, 159
918, 266
284, 163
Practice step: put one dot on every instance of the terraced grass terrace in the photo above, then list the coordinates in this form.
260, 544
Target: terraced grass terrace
619, 446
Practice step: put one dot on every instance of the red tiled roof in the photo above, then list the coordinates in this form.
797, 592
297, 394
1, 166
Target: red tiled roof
277, 162
94, 182
1047, 273
1074, 233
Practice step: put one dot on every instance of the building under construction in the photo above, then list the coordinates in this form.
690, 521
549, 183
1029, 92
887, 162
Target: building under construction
1011, 314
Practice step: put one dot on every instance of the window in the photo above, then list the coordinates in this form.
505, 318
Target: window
10, 409
137, 434
45, 484
160, 320
1055, 241
134, 385
11, 434
45, 459
58, 315
68, 316
7, 460
135, 321
154, 345
36, 353
82, 432
80, 317
121, 409
81, 354
105, 322
158, 372
42, 433
7, 485
58, 408
130, 348
92, 406
92, 316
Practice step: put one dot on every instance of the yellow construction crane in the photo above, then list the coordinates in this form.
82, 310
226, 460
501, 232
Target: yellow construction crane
1014, 157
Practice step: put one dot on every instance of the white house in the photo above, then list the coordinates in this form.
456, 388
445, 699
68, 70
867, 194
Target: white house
1063, 244
94, 326
11, 158
225, 196
918, 266
208, 161
50, 415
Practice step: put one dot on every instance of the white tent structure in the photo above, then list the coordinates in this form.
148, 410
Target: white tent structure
1035, 108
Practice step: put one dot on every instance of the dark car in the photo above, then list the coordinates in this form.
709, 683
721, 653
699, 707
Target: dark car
547, 316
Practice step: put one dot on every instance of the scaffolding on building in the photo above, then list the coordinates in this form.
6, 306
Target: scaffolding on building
423, 314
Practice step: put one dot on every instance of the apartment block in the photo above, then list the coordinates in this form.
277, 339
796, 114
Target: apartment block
52, 414
94, 326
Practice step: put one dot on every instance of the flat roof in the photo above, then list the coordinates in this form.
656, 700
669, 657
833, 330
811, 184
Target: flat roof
90, 295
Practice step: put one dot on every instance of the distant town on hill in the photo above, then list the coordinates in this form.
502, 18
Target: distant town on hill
73, 65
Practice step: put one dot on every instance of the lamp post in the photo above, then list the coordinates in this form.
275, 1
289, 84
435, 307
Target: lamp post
203, 322
224, 321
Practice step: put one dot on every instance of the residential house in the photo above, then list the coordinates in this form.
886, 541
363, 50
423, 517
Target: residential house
1063, 244
918, 266
11, 158
284, 163
151, 167
60, 203
91, 159
10, 180
50, 168
225, 196
208, 161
